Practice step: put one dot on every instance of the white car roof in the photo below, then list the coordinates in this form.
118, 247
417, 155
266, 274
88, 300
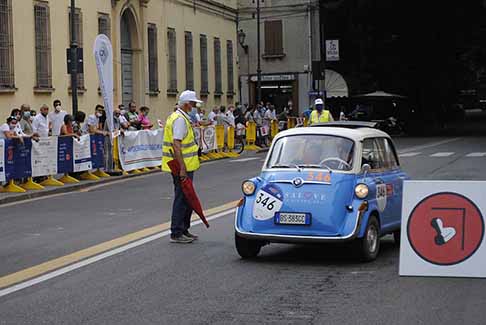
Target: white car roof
356, 134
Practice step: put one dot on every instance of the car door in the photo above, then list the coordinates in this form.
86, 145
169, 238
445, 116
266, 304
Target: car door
374, 155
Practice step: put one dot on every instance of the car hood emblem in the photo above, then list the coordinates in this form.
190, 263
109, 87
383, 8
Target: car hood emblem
298, 182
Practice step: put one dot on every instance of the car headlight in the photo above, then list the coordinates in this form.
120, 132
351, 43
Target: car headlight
361, 191
248, 187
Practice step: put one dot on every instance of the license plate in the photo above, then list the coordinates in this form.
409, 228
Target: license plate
290, 218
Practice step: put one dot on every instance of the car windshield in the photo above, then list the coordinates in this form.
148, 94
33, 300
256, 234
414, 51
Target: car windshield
312, 151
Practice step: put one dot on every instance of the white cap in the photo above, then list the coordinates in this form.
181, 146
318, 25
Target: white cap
318, 102
188, 96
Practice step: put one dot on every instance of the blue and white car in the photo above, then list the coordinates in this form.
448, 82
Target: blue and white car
334, 182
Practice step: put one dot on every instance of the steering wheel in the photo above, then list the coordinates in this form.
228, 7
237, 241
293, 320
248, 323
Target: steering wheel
335, 159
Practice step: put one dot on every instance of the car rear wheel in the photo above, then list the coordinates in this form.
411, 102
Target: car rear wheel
396, 237
369, 245
247, 248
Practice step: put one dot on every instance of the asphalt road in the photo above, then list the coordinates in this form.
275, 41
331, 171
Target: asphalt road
206, 282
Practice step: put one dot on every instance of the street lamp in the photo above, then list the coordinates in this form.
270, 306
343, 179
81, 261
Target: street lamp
241, 40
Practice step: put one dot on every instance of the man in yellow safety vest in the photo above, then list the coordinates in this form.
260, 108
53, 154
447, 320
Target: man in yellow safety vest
180, 144
319, 114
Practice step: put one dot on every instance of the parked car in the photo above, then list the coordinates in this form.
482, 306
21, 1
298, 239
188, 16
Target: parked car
333, 182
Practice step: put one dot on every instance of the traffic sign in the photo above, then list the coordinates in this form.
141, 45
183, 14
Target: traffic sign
443, 229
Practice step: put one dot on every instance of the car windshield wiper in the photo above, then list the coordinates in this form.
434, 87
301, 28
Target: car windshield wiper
286, 166
317, 166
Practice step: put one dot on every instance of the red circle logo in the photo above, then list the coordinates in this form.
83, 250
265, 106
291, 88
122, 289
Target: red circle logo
445, 228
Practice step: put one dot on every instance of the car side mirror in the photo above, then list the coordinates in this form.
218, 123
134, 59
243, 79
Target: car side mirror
365, 169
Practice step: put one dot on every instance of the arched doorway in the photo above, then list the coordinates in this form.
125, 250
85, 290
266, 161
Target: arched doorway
128, 44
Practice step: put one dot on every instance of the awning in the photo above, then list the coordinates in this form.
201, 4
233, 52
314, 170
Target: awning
335, 85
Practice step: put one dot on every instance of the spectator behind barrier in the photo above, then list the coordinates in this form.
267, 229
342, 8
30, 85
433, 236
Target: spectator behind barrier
92, 126
26, 122
212, 117
56, 118
67, 128
143, 119
40, 123
7, 130
132, 117
78, 122
120, 123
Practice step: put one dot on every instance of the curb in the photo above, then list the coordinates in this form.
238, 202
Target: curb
75, 187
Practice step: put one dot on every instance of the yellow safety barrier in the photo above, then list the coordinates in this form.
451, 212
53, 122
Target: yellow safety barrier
290, 122
101, 174
306, 122
88, 176
51, 181
116, 157
66, 179
251, 137
231, 143
273, 128
11, 187
31, 185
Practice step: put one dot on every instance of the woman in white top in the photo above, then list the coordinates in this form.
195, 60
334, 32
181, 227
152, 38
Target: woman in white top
8, 130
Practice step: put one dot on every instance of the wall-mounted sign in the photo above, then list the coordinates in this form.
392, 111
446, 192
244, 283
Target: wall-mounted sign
332, 50
274, 77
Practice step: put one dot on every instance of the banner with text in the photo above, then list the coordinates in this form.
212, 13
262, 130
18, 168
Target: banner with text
2, 161
140, 149
82, 154
44, 157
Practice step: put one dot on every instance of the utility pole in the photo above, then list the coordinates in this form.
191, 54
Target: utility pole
323, 48
74, 60
259, 68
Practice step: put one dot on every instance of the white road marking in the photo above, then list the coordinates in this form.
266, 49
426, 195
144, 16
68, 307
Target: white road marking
409, 154
244, 159
476, 154
442, 154
99, 257
426, 146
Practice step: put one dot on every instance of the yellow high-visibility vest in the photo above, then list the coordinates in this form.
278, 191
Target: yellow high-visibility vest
316, 118
189, 145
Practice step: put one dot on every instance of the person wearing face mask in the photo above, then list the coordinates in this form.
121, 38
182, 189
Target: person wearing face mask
92, 125
40, 123
320, 115
7, 130
143, 119
180, 144
25, 122
56, 118
119, 120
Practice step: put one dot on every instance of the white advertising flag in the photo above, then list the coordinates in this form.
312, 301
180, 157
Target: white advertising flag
103, 53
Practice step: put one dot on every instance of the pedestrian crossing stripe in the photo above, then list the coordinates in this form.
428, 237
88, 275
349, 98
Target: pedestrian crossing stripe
477, 154
442, 154
410, 154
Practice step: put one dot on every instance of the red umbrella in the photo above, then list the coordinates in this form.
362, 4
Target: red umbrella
189, 192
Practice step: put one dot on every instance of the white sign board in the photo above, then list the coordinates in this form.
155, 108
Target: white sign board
139, 149
82, 153
332, 50
2, 161
443, 229
44, 157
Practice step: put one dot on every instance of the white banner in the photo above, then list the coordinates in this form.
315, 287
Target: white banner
140, 149
103, 53
44, 157
82, 154
209, 139
443, 226
2, 160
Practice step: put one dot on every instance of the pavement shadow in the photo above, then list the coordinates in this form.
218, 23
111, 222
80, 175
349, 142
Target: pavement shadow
322, 254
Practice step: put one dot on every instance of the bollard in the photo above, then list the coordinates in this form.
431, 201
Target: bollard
31, 185
251, 137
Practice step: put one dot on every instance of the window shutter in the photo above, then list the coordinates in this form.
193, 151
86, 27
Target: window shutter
189, 61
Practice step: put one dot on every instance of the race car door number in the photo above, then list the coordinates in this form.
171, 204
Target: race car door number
266, 205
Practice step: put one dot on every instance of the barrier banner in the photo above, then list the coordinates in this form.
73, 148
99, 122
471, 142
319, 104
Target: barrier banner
18, 161
65, 162
140, 149
209, 139
97, 151
197, 135
82, 154
44, 157
2, 161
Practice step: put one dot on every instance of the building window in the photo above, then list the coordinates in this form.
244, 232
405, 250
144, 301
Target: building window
6, 46
204, 64
78, 34
189, 62
104, 25
153, 59
273, 38
229, 63
42, 46
218, 90
172, 46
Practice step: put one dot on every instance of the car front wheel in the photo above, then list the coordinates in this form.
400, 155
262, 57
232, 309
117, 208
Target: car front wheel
369, 245
247, 248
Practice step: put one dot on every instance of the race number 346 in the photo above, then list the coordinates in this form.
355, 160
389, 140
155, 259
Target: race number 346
268, 201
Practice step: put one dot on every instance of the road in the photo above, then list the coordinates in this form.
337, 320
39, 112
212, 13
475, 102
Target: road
154, 282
